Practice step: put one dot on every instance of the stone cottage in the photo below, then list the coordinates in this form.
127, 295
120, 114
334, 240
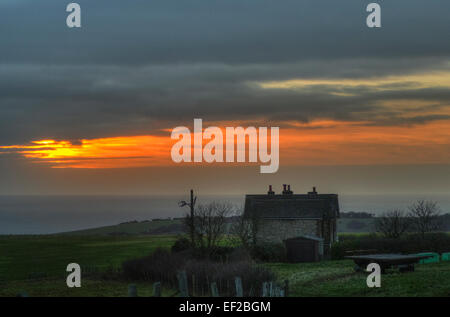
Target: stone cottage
288, 215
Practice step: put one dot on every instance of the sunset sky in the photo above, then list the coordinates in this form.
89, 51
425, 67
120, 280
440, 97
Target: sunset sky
91, 110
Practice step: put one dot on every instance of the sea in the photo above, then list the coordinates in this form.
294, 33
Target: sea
55, 214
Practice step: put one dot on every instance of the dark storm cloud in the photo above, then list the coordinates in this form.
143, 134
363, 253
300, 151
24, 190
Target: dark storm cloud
145, 65
232, 31
95, 101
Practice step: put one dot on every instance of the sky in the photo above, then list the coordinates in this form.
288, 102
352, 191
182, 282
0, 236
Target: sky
90, 110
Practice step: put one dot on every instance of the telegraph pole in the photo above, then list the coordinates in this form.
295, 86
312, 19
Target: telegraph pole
191, 205
190, 219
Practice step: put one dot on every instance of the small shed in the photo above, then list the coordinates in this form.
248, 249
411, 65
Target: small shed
304, 249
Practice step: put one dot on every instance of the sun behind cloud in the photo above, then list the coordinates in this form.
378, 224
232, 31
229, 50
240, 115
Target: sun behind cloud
320, 142
115, 152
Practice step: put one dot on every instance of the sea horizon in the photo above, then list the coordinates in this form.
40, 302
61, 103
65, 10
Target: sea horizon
49, 214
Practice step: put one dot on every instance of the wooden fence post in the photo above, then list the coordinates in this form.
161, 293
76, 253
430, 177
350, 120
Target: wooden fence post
157, 289
265, 290
214, 290
239, 290
132, 290
278, 292
286, 288
182, 284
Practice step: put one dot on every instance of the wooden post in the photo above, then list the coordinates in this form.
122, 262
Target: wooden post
132, 290
239, 290
192, 217
214, 290
286, 288
157, 289
265, 289
182, 284
278, 292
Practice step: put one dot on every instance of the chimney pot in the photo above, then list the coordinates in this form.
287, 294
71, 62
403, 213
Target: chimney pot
313, 193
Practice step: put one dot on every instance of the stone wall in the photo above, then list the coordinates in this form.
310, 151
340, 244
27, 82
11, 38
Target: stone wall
276, 230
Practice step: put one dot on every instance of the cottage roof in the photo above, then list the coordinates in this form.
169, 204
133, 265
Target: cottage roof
290, 206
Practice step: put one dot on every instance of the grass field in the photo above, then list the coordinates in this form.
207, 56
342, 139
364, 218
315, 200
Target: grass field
24, 258
138, 228
131, 228
337, 278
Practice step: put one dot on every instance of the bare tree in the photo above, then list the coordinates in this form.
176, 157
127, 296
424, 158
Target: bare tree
210, 223
245, 228
425, 216
240, 231
392, 224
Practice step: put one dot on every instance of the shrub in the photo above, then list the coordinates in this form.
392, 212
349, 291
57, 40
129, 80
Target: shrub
411, 243
219, 253
337, 250
162, 266
216, 253
202, 273
159, 266
240, 254
181, 244
269, 252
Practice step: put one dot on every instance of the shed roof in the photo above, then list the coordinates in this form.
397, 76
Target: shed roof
306, 237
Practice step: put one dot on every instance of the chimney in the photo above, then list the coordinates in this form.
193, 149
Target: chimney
284, 189
289, 191
270, 192
313, 193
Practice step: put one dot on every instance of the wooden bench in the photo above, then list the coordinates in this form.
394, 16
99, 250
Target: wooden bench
360, 252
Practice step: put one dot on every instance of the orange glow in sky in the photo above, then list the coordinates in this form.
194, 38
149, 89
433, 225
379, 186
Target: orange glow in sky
116, 152
315, 143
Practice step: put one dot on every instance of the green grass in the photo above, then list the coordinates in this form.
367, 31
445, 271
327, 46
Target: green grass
337, 278
89, 288
126, 228
24, 255
21, 256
